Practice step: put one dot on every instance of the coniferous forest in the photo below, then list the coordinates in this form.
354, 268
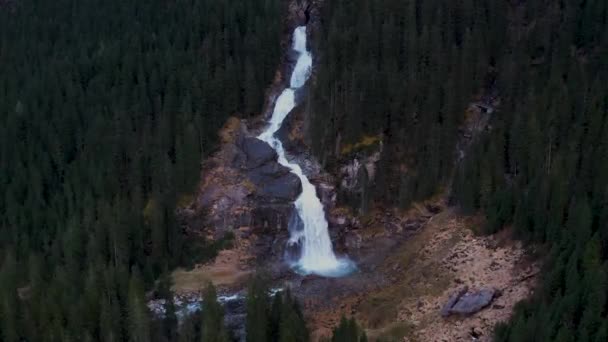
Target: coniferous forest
106, 110
108, 107
407, 71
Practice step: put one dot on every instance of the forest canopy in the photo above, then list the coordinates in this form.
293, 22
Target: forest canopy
408, 71
106, 109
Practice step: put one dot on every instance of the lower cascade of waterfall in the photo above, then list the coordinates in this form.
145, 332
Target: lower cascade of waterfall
310, 231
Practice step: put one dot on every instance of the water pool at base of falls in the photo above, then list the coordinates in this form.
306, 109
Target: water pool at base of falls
343, 267
317, 255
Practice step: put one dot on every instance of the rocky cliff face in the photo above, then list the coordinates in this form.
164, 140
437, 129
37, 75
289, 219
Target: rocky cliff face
243, 189
410, 261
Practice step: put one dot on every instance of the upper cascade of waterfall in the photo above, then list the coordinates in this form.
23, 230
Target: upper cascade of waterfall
299, 39
303, 68
312, 234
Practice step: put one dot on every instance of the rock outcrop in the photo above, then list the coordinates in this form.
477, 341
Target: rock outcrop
272, 181
244, 190
350, 173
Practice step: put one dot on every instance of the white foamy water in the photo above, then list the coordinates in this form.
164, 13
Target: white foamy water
317, 252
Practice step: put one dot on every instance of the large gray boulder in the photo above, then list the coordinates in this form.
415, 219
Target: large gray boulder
466, 302
284, 188
446, 310
272, 180
473, 302
257, 153
267, 173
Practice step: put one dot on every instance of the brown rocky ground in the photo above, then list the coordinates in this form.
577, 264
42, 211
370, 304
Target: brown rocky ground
425, 270
228, 270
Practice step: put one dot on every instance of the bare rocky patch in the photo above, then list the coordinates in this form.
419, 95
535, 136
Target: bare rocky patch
406, 291
477, 263
228, 270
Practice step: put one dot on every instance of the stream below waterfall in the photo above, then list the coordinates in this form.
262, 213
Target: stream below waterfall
309, 233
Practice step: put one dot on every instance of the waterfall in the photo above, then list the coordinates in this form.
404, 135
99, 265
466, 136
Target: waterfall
317, 254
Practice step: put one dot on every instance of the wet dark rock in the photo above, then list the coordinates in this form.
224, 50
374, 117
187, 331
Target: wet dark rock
244, 186
327, 194
257, 153
270, 223
271, 180
267, 173
272, 218
293, 251
290, 132
287, 187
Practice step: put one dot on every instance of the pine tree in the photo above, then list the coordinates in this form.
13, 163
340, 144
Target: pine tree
212, 325
8, 299
292, 327
257, 323
169, 321
348, 330
187, 331
139, 325
602, 334
275, 317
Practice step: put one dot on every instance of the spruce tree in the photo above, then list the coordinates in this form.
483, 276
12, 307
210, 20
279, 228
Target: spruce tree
292, 326
212, 324
138, 315
257, 324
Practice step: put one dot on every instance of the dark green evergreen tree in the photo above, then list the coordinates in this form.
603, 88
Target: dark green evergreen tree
348, 330
292, 326
258, 309
212, 325
102, 144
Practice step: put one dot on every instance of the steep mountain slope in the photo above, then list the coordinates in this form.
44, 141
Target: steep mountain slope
402, 75
450, 144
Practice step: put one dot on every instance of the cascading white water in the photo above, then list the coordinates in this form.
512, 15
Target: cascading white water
317, 253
